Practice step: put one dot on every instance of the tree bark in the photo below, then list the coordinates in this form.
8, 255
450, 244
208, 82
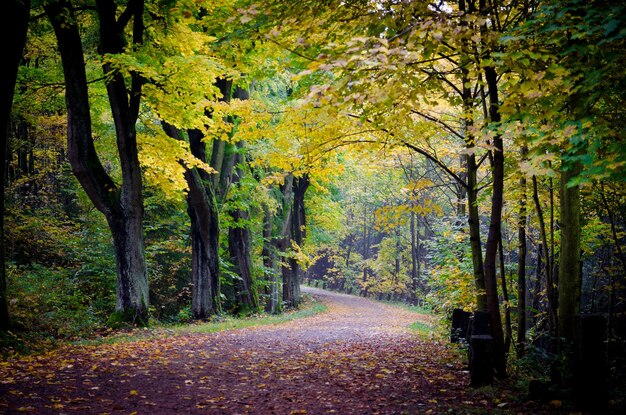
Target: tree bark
291, 286
239, 247
473, 220
267, 253
122, 206
415, 241
284, 240
550, 286
521, 266
570, 278
494, 234
203, 211
508, 334
17, 13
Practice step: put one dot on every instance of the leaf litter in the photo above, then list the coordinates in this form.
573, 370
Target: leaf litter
357, 358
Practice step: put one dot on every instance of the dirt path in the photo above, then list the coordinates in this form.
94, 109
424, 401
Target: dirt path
358, 358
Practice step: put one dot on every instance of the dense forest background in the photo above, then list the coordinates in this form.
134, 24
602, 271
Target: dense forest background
173, 160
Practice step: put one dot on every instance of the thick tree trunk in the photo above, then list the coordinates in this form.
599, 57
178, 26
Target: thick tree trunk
239, 234
239, 247
204, 214
132, 284
204, 232
17, 13
570, 279
123, 207
203, 211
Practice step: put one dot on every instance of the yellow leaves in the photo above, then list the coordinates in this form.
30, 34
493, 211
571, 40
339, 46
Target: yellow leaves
391, 217
133, 393
298, 412
165, 161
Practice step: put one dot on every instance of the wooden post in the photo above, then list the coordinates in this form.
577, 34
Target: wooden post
481, 350
460, 326
590, 363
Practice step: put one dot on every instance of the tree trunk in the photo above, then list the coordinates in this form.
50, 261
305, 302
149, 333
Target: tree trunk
283, 242
239, 234
123, 207
550, 286
570, 279
204, 231
508, 334
203, 211
494, 234
267, 253
298, 232
473, 220
239, 247
132, 284
14, 34
521, 266
414, 229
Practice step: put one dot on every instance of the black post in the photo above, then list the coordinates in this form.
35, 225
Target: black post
590, 363
481, 351
460, 330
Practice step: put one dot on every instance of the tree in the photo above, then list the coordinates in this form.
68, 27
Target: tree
17, 12
122, 205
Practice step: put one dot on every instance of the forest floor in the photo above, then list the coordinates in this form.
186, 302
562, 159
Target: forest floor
359, 357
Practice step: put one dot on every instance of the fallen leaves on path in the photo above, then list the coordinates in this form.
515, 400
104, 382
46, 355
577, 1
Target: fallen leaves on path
358, 358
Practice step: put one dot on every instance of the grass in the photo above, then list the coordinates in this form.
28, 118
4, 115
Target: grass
309, 307
423, 329
412, 308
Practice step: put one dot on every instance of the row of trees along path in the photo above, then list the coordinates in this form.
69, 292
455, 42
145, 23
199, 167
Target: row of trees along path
359, 357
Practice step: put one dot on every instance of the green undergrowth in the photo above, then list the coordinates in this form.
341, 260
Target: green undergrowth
309, 307
420, 309
16, 346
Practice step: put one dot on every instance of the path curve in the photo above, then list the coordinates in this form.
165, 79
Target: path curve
357, 358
